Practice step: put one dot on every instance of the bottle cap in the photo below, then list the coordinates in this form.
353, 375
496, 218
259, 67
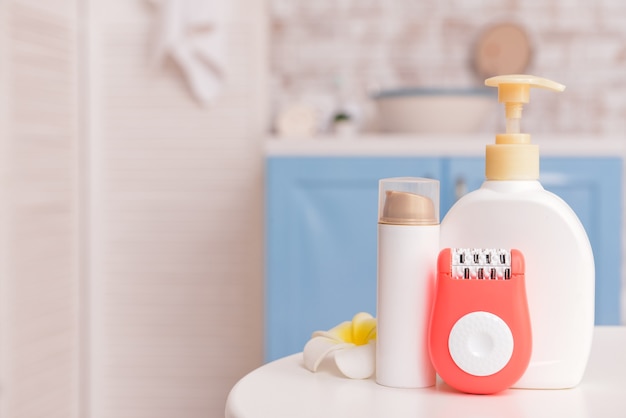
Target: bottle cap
513, 157
408, 201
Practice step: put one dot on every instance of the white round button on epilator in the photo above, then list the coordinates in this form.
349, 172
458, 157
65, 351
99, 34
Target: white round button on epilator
480, 343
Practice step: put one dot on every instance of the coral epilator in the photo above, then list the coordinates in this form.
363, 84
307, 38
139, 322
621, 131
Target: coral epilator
408, 244
480, 336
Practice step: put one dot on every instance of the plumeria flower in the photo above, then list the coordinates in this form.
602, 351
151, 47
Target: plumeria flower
353, 344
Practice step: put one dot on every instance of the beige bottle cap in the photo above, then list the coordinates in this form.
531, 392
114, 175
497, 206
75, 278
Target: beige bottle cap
408, 201
513, 157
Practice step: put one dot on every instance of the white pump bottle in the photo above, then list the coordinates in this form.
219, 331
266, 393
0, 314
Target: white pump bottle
512, 210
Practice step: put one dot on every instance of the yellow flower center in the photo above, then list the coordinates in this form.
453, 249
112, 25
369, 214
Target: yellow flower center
360, 331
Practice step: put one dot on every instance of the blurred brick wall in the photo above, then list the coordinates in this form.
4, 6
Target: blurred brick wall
373, 44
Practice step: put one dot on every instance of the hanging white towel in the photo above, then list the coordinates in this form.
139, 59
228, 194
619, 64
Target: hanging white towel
193, 34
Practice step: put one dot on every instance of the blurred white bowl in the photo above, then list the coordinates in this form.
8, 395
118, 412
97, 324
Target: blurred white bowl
435, 111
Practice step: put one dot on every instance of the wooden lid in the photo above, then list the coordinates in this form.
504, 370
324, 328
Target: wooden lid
503, 48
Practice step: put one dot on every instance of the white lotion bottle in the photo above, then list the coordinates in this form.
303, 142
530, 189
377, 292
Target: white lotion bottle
512, 210
408, 245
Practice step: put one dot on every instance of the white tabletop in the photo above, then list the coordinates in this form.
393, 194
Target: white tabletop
284, 388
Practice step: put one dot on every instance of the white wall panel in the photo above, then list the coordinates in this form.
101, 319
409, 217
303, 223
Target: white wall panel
175, 198
39, 286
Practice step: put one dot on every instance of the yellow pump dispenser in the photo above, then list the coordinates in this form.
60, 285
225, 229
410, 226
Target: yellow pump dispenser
513, 157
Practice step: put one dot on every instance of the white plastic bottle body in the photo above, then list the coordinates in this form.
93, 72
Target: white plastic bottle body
560, 272
407, 263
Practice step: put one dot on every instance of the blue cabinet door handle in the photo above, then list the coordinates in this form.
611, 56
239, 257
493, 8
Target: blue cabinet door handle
460, 188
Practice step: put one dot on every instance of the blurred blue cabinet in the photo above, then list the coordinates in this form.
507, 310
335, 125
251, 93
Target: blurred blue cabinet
321, 226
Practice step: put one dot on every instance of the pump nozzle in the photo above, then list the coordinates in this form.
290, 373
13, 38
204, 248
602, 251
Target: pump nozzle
514, 92
513, 157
